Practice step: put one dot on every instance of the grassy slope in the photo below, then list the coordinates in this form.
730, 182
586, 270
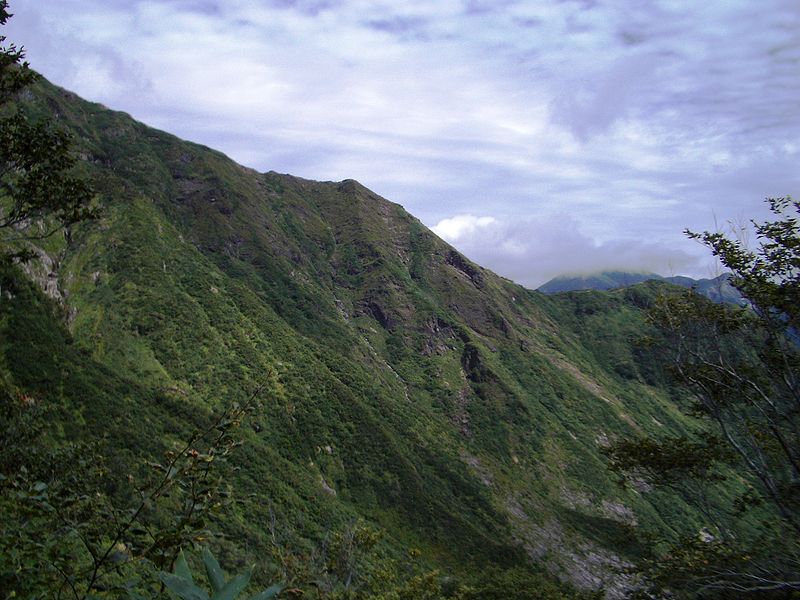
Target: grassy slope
460, 412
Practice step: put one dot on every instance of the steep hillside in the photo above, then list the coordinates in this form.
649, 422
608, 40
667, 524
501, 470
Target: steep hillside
459, 413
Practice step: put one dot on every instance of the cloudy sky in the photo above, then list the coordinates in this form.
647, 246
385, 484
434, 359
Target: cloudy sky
538, 137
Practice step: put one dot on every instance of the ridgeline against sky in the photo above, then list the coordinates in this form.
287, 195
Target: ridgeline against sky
538, 137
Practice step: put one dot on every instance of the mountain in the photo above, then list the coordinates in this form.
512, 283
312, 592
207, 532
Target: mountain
399, 384
718, 289
604, 280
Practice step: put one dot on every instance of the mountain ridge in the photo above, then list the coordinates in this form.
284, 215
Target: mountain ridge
456, 411
718, 289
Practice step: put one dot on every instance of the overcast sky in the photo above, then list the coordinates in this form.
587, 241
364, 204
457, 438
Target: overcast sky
538, 137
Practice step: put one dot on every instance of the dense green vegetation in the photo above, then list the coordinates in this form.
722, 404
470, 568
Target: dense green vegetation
740, 367
394, 421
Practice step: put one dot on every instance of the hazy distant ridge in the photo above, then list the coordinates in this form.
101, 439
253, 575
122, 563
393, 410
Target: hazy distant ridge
717, 289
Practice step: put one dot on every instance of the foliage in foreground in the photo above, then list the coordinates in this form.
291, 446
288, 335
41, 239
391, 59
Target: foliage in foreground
74, 527
741, 368
40, 191
181, 583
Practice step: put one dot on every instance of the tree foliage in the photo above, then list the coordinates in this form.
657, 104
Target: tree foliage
39, 189
181, 583
77, 530
741, 369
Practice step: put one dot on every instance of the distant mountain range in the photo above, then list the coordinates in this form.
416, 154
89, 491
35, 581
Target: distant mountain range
718, 289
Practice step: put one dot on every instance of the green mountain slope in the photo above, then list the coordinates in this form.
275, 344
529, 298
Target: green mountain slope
456, 411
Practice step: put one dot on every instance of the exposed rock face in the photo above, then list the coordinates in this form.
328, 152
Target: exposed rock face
618, 511
579, 562
458, 262
439, 338
377, 313
326, 487
43, 270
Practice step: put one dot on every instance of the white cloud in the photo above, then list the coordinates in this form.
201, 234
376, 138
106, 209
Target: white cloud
460, 226
533, 249
634, 119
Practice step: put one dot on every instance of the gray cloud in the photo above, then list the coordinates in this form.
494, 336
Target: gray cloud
533, 249
629, 120
591, 104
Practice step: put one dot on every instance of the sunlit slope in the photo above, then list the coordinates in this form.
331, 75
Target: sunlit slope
458, 411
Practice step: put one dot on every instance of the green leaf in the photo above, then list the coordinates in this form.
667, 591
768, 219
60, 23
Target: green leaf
270, 592
182, 568
183, 587
233, 588
215, 574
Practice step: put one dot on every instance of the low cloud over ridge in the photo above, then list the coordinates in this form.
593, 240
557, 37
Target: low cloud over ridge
533, 250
